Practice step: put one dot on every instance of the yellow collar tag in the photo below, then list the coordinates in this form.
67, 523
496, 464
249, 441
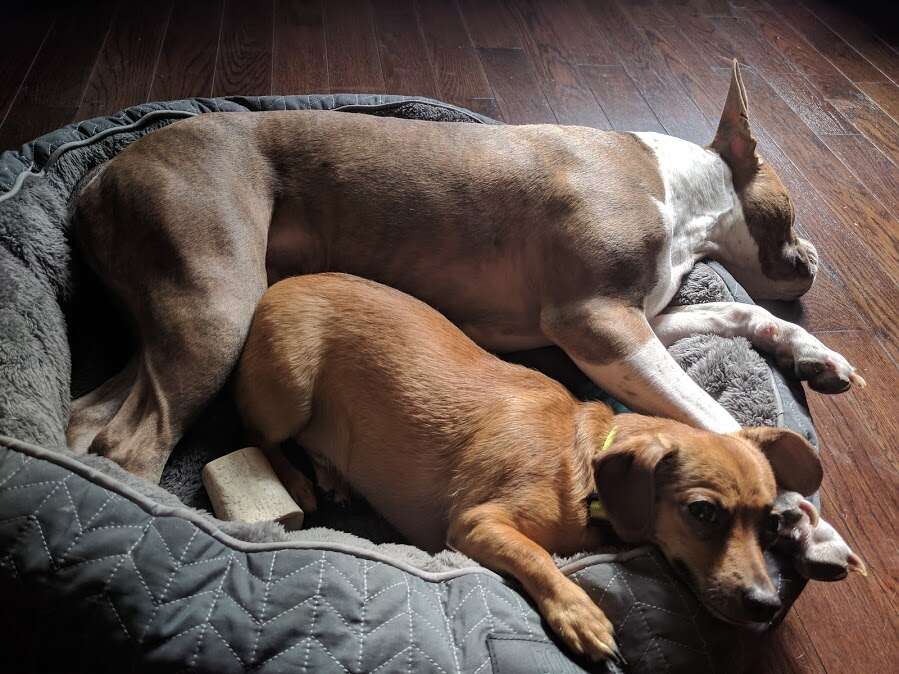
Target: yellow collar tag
610, 438
595, 509
594, 504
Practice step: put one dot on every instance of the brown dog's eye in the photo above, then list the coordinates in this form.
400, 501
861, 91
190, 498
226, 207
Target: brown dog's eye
704, 511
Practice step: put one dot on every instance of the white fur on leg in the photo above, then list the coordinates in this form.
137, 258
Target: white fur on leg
819, 552
650, 380
766, 332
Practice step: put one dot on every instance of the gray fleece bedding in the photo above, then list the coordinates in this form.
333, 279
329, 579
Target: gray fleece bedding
147, 571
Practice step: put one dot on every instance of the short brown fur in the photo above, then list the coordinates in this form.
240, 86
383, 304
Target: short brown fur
452, 444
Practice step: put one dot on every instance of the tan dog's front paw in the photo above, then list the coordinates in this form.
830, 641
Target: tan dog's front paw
582, 625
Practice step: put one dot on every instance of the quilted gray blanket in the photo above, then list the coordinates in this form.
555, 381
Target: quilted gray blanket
100, 571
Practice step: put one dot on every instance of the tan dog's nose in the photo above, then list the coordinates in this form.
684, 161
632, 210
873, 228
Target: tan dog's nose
760, 605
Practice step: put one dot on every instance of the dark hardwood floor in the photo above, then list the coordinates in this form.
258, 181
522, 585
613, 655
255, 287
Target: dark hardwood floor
822, 80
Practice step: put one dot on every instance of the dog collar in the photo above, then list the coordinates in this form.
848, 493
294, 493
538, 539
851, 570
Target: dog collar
595, 509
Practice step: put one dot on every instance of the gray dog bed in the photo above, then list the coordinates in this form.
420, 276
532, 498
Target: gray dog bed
101, 571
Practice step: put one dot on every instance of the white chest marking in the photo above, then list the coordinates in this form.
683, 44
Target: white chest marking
700, 205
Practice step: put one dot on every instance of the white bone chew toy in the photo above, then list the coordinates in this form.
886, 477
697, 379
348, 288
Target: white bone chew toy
243, 486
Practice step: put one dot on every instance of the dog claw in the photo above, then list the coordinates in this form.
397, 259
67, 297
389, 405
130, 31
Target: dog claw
809, 509
857, 379
617, 657
856, 565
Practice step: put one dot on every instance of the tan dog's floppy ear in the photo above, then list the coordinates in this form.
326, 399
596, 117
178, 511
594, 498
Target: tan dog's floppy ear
794, 462
625, 480
734, 140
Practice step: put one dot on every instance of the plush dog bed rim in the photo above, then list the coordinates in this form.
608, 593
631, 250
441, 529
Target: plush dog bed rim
157, 510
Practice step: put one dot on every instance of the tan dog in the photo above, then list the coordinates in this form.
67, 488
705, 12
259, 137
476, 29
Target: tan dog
453, 445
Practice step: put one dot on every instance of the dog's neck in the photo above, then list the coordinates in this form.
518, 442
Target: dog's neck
594, 424
701, 212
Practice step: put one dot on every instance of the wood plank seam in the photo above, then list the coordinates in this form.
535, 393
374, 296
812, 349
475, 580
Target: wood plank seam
37, 53
165, 31
97, 58
218, 48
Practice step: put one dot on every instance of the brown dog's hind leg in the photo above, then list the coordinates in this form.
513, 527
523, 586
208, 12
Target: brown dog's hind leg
191, 336
614, 345
91, 412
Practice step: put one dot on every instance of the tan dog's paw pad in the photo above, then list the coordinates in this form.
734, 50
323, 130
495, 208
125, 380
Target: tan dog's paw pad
582, 626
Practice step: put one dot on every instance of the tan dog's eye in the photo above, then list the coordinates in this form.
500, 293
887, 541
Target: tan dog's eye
704, 511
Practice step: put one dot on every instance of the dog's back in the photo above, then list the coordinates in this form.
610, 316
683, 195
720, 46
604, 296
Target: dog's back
391, 394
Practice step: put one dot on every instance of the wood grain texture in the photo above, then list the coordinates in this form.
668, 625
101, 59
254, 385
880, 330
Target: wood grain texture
836, 229
187, 59
518, 94
354, 65
659, 87
620, 99
788, 649
300, 65
554, 61
878, 174
127, 63
885, 94
244, 64
689, 64
490, 24
822, 74
833, 303
861, 36
404, 57
861, 497
567, 25
50, 93
22, 34
700, 32
874, 124
828, 43
460, 76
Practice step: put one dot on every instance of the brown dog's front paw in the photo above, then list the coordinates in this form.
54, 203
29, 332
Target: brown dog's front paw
582, 625
825, 371
819, 552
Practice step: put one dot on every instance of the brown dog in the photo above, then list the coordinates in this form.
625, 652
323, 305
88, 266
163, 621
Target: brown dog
522, 236
455, 446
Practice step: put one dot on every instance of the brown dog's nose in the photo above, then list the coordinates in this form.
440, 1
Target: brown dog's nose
760, 605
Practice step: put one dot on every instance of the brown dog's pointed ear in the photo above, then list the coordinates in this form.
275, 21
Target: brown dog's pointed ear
734, 140
795, 464
626, 481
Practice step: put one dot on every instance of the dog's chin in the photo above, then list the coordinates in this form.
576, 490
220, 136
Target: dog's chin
742, 622
689, 579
